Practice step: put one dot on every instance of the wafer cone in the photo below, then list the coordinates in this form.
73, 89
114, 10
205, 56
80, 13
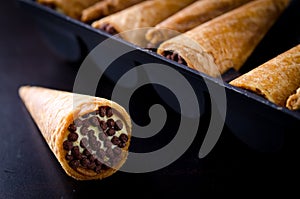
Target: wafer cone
105, 8
55, 111
228, 40
293, 102
276, 79
72, 8
143, 15
190, 17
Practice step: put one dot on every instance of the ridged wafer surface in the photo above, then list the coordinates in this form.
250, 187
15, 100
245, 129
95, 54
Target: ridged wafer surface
53, 111
228, 40
143, 15
105, 8
190, 17
72, 8
276, 79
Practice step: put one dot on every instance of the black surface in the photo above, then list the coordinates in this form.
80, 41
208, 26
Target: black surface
28, 169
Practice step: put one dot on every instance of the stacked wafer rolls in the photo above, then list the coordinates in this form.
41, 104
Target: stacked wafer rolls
88, 135
105, 8
277, 80
226, 41
190, 17
143, 15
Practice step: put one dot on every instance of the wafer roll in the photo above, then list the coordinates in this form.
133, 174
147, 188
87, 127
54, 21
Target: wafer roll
105, 8
190, 17
293, 102
276, 79
228, 40
72, 8
88, 135
143, 15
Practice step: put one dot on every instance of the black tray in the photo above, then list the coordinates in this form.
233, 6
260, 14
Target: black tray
259, 123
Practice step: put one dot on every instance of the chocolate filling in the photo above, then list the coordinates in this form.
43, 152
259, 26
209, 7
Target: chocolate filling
95, 140
174, 56
108, 28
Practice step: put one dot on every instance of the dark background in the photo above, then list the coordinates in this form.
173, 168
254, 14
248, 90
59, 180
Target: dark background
28, 169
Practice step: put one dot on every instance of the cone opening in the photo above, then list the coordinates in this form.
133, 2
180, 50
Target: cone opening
108, 28
174, 56
96, 141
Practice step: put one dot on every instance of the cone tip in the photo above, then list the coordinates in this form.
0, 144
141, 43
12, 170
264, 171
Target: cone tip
22, 90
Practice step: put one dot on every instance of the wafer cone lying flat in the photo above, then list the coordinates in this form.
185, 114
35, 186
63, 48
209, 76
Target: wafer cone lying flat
143, 15
105, 8
293, 101
88, 135
190, 17
276, 79
228, 40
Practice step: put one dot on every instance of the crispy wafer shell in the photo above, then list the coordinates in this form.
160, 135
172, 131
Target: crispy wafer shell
228, 40
293, 102
53, 111
190, 17
142, 15
105, 8
72, 8
276, 79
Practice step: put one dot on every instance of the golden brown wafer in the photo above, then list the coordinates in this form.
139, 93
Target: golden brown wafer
61, 115
228, 40
72, 8
190, 17
276, 79
105, 8
293, 102
143, 15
